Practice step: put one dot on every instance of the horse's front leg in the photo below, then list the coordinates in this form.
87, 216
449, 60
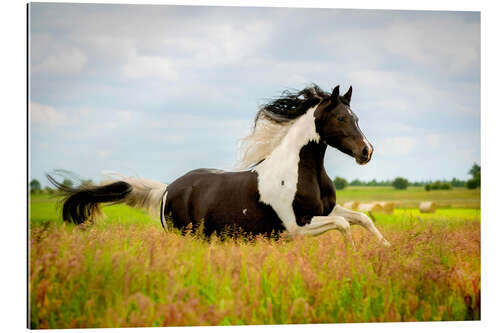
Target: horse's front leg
321, 224
360, 219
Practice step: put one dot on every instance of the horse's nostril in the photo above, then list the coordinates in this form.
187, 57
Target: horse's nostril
365, 151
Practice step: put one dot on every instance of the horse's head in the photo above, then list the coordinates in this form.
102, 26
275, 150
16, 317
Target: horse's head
338, 126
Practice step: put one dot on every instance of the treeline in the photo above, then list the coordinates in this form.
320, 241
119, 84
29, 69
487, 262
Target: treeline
36, 188
454, 182
399, 183
402, 183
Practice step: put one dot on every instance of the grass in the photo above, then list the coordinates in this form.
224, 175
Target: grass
126, 271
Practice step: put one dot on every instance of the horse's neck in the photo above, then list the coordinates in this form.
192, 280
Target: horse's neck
284, 160
312, 157
278, 174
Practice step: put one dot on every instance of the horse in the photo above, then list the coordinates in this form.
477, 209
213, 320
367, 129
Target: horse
280, 186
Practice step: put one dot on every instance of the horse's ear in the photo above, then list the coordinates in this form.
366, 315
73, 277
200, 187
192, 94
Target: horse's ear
348, 94
335, 93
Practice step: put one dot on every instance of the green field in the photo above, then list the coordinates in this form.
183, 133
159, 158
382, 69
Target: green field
412, 196
126, 271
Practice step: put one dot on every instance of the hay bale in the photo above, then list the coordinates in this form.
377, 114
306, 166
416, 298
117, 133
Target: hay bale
370, 207
427, 207
387, 206
351, 205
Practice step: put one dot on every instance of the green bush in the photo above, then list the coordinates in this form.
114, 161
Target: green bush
457, 183
473, 183
436, 185
68, 183
35, 186
400, 183
340, 183
445, 186
356, 182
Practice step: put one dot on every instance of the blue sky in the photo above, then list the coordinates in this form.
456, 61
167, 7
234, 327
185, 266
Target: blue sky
155, 91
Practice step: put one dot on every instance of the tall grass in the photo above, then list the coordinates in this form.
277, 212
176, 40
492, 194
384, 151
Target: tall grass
126, 271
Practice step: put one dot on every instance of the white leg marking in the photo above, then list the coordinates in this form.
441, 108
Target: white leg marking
162, 210
321, 224
359, 219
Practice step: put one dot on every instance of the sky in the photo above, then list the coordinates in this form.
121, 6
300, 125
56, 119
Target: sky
156, 91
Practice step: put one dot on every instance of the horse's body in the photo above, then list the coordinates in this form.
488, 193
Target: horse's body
219, 199
286, 190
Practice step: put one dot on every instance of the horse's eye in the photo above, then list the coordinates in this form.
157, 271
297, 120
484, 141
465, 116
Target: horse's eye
340, 118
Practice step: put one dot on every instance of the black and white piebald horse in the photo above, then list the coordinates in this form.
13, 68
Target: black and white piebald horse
283, 188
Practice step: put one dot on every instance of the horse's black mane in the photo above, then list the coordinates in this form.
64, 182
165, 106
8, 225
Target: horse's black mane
292, 104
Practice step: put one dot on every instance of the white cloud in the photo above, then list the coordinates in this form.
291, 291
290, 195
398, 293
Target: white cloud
88, 121
102, 154
124, 116
433, 140
67, 61
397, 85
150, 66
206, 69
401, 145
47, 115
446, 42
409, 93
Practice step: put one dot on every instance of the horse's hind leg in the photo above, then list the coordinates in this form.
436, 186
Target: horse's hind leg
360, 219
163, 210
321, 224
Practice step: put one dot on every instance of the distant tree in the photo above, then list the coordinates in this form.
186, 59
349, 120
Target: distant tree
35, 186
372, 182
387, 183
457, 182
67, 182
472, 183
445, 186
400, 183
436, 185
340, 183
48, 190
475, 182
355, 182
475, 169
477, 177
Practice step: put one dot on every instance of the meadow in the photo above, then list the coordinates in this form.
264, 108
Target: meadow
125, 270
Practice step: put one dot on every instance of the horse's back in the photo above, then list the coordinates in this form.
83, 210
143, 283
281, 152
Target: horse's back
220, 199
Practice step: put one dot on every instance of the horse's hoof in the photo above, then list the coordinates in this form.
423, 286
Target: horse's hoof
386, 243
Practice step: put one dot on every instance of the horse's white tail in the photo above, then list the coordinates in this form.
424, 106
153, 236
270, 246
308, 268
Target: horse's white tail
145, 193
82, 204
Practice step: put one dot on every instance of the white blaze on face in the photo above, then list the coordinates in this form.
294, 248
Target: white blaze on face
367, 144
278, 174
